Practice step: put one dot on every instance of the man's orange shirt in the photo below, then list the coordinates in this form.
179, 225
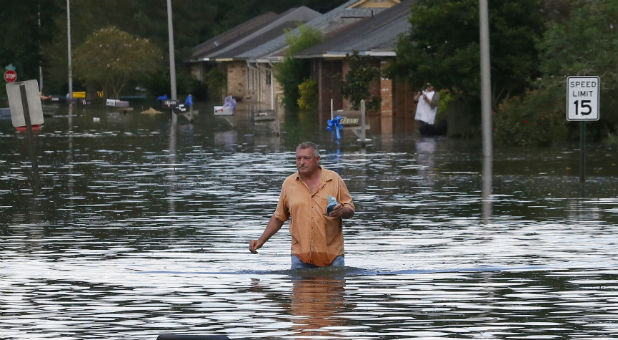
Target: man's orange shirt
316, 238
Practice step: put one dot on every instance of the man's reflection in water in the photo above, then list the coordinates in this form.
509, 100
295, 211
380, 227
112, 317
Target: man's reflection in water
317, 302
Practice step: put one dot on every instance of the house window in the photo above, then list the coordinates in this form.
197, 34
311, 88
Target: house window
268, 76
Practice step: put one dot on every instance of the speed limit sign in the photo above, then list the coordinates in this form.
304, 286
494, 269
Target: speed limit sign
583, 98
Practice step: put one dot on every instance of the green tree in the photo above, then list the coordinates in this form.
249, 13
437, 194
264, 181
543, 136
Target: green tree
355, 87
110, 59
27, 25
583, 42
292, 72
442, 47
195, 21
580, 43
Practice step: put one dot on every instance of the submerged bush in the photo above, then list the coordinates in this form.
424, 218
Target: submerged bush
308, 91
536, 119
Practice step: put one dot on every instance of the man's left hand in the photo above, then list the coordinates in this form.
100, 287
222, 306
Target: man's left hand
341, 211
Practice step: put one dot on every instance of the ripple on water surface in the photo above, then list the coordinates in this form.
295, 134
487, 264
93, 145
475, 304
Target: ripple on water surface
134, 234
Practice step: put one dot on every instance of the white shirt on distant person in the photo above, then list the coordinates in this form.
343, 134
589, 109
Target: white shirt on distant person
424, 111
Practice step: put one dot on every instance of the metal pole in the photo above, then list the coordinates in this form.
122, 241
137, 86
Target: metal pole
332, 115
69, 49
40, 66
485, 78
170, 30
486, 110
582, 152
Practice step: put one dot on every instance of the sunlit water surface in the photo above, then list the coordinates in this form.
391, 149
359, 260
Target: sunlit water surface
136, 230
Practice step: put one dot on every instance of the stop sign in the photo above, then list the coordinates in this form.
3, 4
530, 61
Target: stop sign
10, 76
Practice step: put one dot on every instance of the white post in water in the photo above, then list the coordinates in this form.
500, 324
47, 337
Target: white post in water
363, 126
331, 110
170, 30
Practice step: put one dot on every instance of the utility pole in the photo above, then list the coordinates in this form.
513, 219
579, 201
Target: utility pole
485, 79
486, 110
69, 50
170, 30
38, 19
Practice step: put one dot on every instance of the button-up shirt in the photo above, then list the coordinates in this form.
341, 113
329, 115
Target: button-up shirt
316, 238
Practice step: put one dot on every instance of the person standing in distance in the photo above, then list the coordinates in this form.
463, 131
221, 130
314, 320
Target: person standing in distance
317, 237
426, 108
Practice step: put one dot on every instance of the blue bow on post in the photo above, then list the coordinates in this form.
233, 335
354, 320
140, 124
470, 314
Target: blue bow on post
335, 127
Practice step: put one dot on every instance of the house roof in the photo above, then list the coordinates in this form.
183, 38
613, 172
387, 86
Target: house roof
331, 21
276, 27
232, 35
374, 3
377, 35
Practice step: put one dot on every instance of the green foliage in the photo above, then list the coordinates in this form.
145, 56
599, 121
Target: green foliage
355, 87
195, 21
535, 119
216, 80
22, 36
308, 91
446, 99
442, 46
292, 72
586, 44
305, 38
583, 43
109, 59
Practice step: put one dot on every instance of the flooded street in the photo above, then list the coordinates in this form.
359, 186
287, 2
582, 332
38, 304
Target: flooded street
138, 229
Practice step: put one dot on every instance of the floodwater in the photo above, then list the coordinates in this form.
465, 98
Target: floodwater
136, 229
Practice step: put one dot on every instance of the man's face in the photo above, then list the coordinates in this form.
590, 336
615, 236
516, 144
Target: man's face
306, 161
429, 88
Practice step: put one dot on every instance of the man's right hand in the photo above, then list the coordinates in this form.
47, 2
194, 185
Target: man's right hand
254, 246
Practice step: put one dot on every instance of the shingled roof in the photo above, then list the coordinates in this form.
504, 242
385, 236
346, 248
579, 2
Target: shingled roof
275, 27
377, 35
331, 21
232, 35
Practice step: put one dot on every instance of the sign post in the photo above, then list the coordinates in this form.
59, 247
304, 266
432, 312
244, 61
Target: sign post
26, 111
583, 102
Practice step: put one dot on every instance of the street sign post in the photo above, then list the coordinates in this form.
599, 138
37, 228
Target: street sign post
583, 103
583, 98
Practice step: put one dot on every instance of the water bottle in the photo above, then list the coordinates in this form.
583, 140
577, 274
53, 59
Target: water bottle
332, 203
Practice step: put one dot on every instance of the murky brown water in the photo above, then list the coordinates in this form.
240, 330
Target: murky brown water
135, 231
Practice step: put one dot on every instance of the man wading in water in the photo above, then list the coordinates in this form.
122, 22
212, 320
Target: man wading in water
317, 237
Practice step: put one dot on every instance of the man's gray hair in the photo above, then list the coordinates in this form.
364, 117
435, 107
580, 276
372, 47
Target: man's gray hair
307, 145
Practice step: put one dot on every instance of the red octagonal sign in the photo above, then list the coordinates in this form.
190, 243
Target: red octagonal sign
10, 76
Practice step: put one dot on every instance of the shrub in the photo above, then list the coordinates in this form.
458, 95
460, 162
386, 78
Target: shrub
537, 119
355, 87
292, 72
308, 91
